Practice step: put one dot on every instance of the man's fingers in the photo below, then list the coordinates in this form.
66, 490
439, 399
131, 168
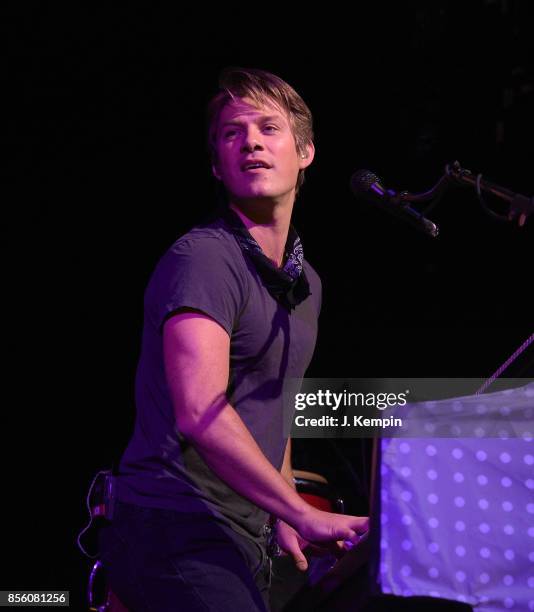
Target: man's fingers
346, 534
300, 560
359, 528
339, 548
324, 527
351, 539
362, 526
351, 531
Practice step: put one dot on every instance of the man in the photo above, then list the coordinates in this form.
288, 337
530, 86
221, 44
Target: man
230, 310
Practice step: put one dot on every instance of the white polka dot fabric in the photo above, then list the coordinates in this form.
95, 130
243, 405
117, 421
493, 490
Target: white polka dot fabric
457, 515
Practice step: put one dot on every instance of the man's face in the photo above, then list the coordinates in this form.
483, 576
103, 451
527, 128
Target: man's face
248, 135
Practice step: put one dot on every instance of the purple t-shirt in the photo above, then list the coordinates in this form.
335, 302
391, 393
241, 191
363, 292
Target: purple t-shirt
207, 270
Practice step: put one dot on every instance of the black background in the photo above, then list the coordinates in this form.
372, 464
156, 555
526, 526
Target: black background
107, 165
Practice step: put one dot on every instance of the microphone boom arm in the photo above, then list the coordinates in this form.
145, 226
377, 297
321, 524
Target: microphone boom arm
520, 206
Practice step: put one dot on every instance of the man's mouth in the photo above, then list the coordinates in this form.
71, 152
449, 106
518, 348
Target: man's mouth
255, 165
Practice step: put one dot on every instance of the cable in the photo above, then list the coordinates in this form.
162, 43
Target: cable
89, 524
505, 365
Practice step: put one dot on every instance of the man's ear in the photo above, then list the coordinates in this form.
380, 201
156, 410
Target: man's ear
215, 171
306, 156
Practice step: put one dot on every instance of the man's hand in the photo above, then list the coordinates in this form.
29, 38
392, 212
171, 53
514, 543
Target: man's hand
316, 526
292, 544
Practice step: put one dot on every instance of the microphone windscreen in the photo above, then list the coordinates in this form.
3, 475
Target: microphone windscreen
362, 180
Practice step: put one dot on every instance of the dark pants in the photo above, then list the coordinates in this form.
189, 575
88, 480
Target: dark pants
163, 561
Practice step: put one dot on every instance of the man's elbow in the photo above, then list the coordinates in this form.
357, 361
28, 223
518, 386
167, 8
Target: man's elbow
189, 426
195, 423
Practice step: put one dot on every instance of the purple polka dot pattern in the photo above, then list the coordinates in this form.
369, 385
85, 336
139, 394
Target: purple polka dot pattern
461, 512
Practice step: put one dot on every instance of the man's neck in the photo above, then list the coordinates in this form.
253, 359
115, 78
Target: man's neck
268, 225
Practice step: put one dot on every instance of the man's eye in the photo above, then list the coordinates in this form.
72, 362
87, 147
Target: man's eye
229, 133
270, 128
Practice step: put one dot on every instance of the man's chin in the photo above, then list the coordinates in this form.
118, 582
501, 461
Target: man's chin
260, 195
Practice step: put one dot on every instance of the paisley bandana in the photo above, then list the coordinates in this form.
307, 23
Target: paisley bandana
288, 285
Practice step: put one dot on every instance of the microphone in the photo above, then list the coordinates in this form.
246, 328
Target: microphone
368, 186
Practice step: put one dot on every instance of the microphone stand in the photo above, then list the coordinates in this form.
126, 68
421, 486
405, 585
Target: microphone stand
520, 206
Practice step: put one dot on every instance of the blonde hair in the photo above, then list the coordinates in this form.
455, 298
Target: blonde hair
261, 87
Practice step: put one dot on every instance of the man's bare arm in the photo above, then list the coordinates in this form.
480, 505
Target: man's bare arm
196, 354
287, 468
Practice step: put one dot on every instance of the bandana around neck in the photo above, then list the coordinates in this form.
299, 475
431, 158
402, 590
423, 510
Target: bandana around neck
288, 285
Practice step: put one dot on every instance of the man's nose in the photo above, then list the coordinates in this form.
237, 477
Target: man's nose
251, 143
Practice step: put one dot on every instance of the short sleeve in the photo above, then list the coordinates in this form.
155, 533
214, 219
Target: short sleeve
316, 287
201, 273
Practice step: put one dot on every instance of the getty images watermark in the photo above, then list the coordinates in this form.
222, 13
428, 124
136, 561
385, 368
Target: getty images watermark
380, 407
348, 399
